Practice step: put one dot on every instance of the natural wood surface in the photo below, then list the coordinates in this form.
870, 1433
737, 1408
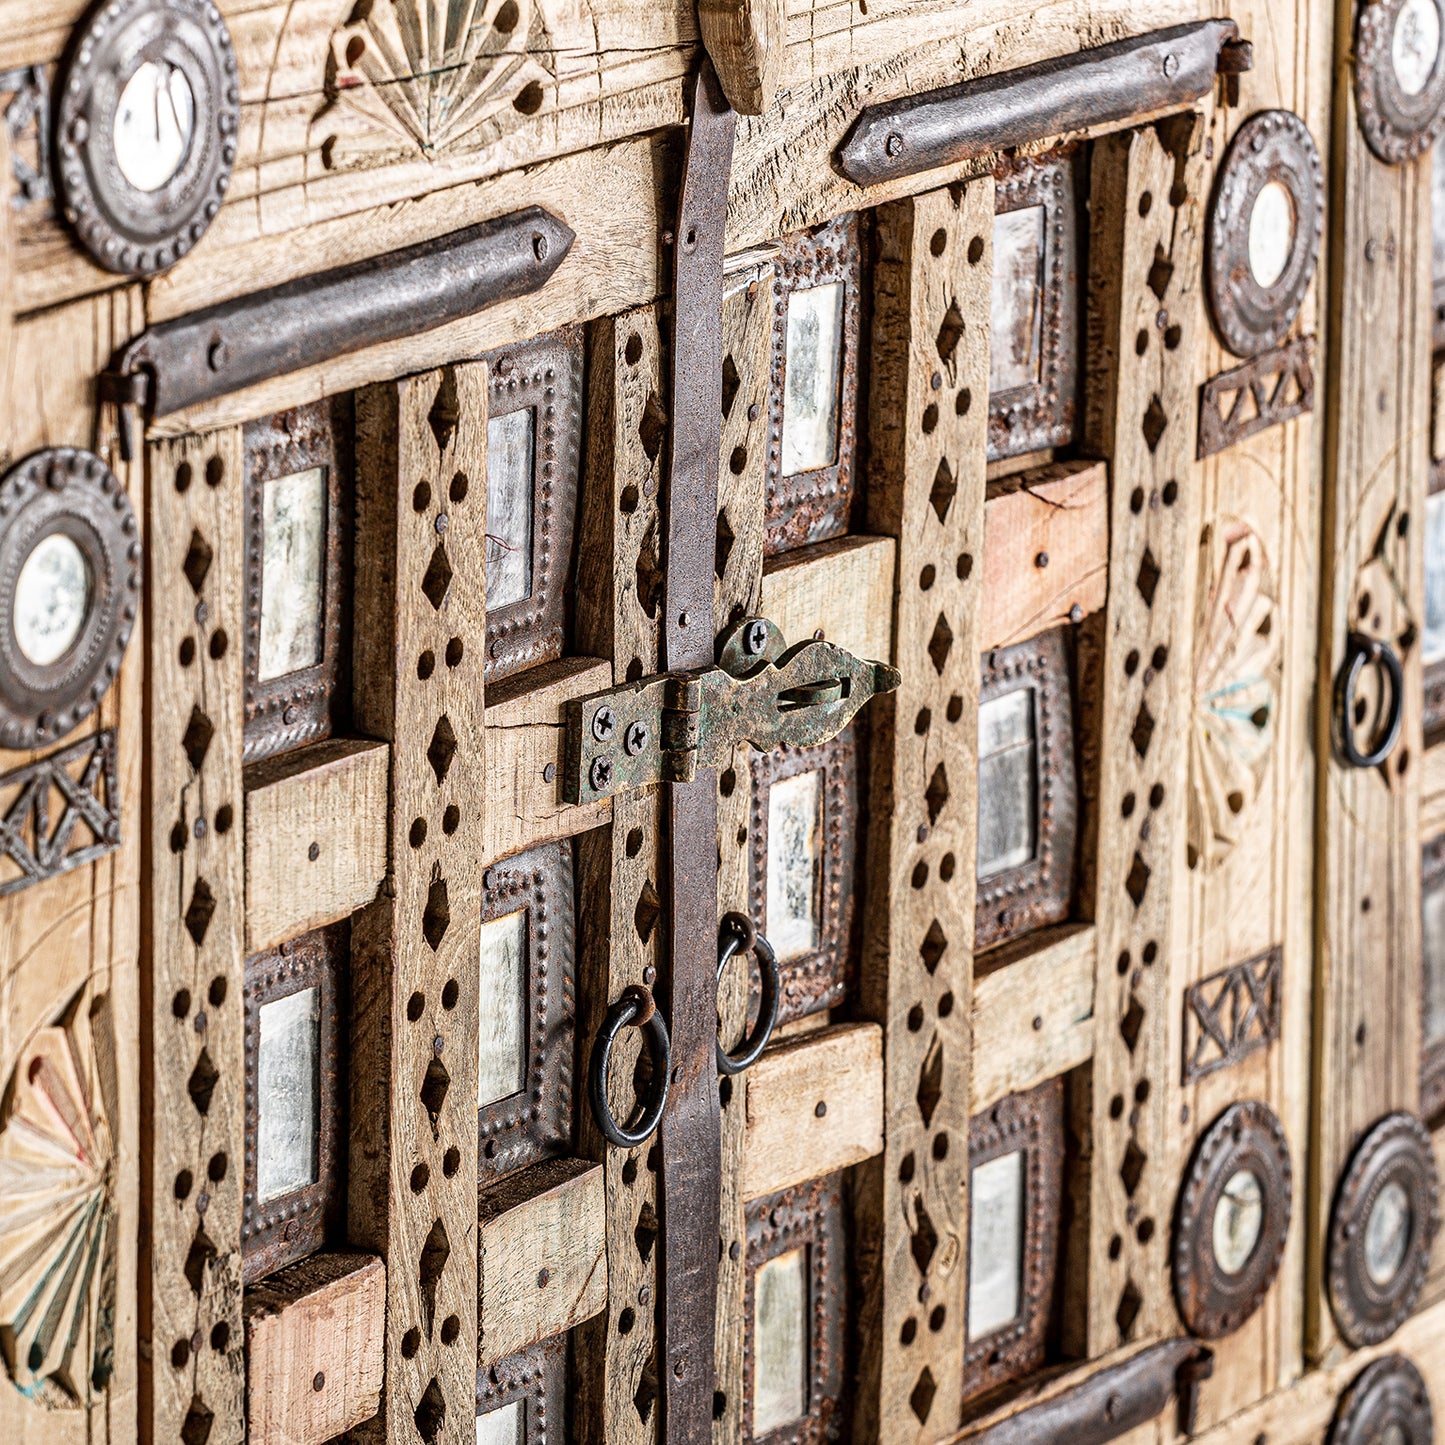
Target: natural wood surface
524, 753
814, 1105
618, 867
1045, 551
745, 40
935, 254
193, 1039
740, 590
1147, 204
421, 456
542, 1252
328, 799
1033, 1012
314, 1337
842, 588
1432, 793
1367, 879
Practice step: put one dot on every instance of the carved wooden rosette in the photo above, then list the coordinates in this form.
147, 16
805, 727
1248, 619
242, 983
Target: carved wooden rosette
421, 489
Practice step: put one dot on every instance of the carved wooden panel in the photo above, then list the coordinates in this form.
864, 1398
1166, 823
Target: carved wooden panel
813, 395
298, 575
527, 1002
805, 834
796, 1315
296, 1000
534, 435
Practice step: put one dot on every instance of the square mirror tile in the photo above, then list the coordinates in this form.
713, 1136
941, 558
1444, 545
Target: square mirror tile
1007, 782
795, 827
506, 1425
995, 1244
813, 366
780, 1341
1017, 306
522, 1399
1432, 965
293, 582
288, 1082
1432, 633
502, 999
511, 456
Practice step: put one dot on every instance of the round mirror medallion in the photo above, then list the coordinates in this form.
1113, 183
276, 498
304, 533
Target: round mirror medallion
149, 108
1400, 76
70, 568
1265, 225
1381, 1230
1232, 1220
1386, 1405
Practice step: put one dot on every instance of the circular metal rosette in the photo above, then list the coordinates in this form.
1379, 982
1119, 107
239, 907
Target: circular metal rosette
70, 574
1387, 1401
1232, 1220
146, 125
1265, 227
1400, 76
1381, 1229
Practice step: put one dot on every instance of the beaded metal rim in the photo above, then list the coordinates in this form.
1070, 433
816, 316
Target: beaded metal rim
1397, 1149
127, 230
70, 492
1389, 1392
1397, 127
1212, 1302
1273, 146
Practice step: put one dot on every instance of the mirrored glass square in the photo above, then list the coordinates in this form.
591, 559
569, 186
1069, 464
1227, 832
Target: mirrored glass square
995, 1244
814, 360
1433, 941
795, 826
504, 1426
288, 1086
293, 570
1016, 309
780, 1341
1433, 641
1007, 782
511, 455
502, 995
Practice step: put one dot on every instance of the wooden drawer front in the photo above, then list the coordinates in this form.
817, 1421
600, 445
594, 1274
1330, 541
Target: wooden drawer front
315, 837
842, 588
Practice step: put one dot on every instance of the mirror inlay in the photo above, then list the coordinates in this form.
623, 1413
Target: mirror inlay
1007, 782
1415, 45
52, 599
511, 449
504, 1426
1387, 1233
154, 123
995, 1244
293, 569
1271, 233
288, 1086
780, 1341
501, 1030
814, 361
1016, 310
795, 825
1238, 1221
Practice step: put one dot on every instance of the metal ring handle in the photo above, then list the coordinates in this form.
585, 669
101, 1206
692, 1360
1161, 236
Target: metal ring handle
635, 1008
736, 935
1361, 651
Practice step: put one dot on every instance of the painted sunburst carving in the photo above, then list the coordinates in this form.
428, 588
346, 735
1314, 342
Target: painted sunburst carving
437, 76
57, 1218
1237, 673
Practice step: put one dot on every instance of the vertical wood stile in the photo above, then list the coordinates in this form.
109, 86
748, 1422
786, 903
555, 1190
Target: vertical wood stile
619, 584
1148, 208
421, 492
193, 1040
928, 414
1367, 883
747, 341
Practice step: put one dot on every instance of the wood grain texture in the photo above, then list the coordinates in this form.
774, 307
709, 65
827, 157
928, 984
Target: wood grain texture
193, 1037
843, 588
618, 867
814, 1105
330, 797
524, 740
1367, 879
1045, 552
739, 590
543, 1255
314, 1336
421, 455
745, 41
1147, 206
935, 253
1033, 1013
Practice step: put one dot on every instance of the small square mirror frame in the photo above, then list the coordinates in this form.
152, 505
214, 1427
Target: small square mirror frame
1434, 672
1432, 1063
537, 1123
536, 1378
281, 1230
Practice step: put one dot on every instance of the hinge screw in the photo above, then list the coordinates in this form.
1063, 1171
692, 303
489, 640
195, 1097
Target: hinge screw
756, 637
635, 739
604, 724
601, 774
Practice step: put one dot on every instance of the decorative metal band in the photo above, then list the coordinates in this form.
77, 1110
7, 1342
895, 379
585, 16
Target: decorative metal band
1387, 1401
85, 604
1232, 1014
139, 229
1274, 387
1399, 78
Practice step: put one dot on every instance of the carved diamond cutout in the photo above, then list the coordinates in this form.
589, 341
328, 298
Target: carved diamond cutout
935, 941
645, 915
1132, 1023
198, 560
438, 579
645, 1234
1130, 1302
442, 749
1148, 578
924, 1242
930, 1081
725, 540
202, 1083
1155, 421
945, 488
731, 381
1160, 273
196, 739
950, 332
445, 411
434, 1089
937, 795
652, 427
434, 1255
921, 1399
199, 911
941, 643
438, 915
1138, 879
1143, 730
431, 1413
196, 1428
1131, 1171
200, 1254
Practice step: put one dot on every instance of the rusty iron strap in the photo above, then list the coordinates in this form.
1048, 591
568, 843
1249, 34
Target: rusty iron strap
691, 1131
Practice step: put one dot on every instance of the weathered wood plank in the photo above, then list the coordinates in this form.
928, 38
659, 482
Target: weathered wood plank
316, 837
935, 253
843, 588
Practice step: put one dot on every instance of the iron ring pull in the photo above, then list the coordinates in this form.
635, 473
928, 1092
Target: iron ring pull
737, 935
1361, 651
635, 1008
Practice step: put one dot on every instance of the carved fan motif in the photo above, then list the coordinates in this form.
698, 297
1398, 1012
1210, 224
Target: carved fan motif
441, 75
57, 1218
1236, 687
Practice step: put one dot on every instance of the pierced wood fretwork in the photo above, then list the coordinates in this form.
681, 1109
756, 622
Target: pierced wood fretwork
194, 1020
421, 489
929, 418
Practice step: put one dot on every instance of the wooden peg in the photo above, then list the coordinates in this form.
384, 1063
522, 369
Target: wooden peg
745, 40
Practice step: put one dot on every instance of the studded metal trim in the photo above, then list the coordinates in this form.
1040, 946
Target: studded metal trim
1397, 127
1390, 1392
1397, 1150
127, 230
70, 492
1246, 1137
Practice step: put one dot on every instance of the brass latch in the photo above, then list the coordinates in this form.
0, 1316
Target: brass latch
760, 692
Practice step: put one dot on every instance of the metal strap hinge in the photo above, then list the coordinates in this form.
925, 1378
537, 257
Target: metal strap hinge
760, 692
